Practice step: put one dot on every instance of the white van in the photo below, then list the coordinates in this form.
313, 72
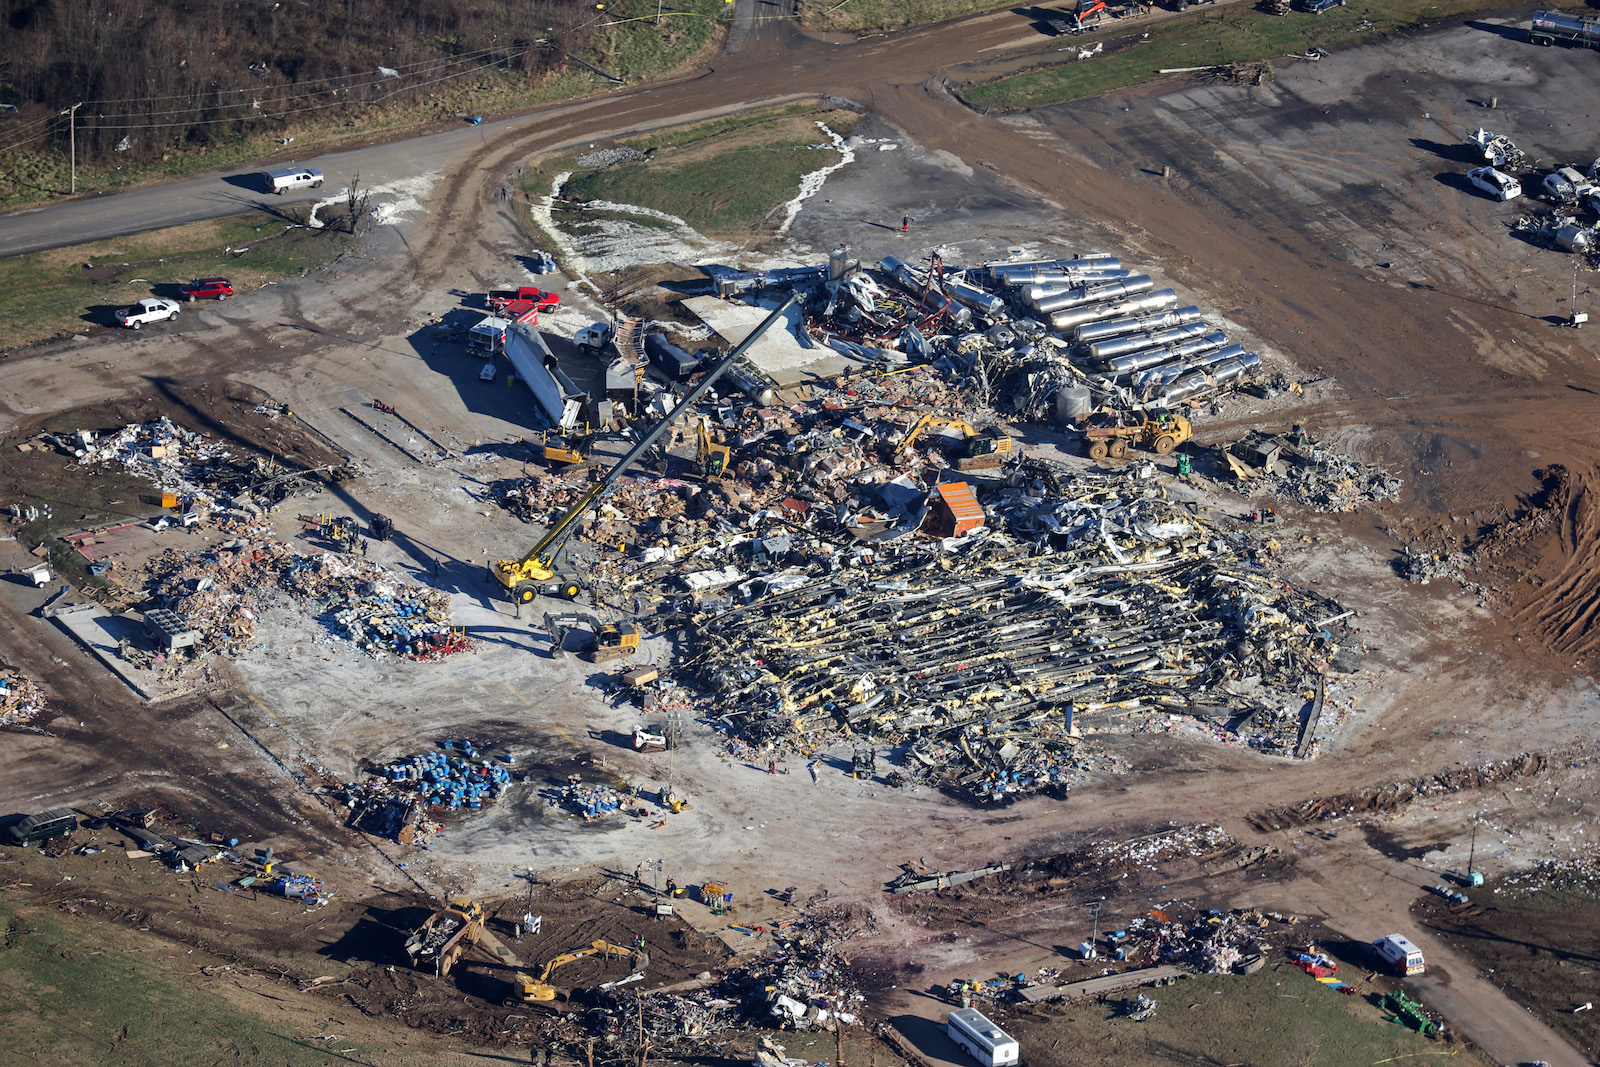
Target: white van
1399, 953
287, 178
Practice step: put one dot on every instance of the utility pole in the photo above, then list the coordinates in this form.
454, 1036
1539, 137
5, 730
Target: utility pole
72, 126
1575, 318
1094, 938
1472, 853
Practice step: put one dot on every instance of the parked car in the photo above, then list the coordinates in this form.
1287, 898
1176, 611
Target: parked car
1497, 183
1317, 7
150, 309
206, 289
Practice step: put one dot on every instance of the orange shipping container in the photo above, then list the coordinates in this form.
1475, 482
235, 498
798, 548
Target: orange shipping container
955, 510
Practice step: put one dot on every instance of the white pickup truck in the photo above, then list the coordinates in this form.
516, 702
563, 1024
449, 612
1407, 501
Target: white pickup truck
289, 178
150, 309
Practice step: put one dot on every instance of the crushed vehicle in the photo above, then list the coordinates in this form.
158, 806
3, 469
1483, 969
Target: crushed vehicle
1496, 183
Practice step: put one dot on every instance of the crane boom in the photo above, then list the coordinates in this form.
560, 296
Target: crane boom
523, 577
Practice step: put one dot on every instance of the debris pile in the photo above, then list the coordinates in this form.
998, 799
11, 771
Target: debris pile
1315, 477
802, 982
222, 590
201, 472
21, 700
1580, 872
392, 801
1090, 603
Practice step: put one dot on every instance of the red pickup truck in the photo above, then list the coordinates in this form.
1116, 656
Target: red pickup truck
523, 304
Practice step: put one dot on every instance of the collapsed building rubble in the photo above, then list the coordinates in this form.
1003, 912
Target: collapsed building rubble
21, 700
197, 471
1086, 602
221, 591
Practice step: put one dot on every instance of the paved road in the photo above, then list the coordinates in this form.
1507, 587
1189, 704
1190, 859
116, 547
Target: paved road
219, 195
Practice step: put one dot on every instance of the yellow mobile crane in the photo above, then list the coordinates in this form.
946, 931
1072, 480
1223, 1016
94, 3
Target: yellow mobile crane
539, 571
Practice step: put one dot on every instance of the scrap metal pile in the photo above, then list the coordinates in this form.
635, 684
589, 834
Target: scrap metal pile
21, 700
221, 591
1317, 477
1089, 602
1040, 340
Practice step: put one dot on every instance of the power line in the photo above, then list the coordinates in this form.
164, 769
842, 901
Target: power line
291, 111
29, 140
313, 81
112, 123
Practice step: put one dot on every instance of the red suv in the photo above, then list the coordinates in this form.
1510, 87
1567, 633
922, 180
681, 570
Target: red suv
207, 289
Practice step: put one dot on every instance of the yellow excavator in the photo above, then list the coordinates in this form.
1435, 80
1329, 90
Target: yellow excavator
980, 448
712, 458
539, 989
607, 641
540, 571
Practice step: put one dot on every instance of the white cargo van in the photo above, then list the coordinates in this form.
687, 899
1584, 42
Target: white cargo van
287, 178
1399, 953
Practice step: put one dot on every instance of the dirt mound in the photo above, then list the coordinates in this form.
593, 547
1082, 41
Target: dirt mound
1392, 797
1564, 528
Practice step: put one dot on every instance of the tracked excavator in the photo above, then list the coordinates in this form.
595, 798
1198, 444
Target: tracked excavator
539, 989
980, 448
541, 569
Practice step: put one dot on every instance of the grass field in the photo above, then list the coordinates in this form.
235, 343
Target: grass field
51, 294
724, 178
1232, 35
1279, 1015
870, 15
77, 994
628, 44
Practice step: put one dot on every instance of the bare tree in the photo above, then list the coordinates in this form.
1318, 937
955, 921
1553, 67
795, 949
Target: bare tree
357, 214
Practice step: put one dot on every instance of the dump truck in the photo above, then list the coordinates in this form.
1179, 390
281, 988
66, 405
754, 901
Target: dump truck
438, 943
540, 570
1111, 436
540, 990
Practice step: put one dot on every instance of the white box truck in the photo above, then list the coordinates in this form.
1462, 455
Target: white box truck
285, 179
982, 1039
1398, 952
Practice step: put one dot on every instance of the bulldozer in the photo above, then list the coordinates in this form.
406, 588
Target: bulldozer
979, 448
1111, 435
607, 641
567, 450
539, 990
